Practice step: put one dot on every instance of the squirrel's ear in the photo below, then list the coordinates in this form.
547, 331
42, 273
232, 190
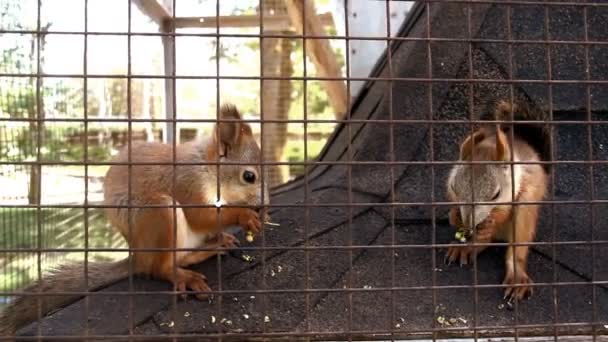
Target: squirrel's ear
503, 152
467, 146
226, 133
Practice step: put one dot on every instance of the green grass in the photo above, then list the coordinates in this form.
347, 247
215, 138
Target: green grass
59, 228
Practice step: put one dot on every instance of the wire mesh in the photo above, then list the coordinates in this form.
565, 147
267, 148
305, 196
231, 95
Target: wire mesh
355, 244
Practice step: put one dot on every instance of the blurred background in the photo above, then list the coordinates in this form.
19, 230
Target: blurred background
46, 145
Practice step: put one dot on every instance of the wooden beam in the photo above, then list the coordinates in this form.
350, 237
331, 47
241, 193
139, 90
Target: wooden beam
271, 23
154, 10
169, 65
319, 51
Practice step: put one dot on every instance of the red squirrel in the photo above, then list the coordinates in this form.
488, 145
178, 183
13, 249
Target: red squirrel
498, 183
157, 227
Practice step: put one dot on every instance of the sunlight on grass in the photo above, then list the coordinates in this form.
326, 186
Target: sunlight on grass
58, 229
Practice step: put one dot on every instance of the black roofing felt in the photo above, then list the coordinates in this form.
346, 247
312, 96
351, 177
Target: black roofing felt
414, 312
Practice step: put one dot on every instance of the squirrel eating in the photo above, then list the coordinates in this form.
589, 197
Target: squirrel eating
499, 184
164, 201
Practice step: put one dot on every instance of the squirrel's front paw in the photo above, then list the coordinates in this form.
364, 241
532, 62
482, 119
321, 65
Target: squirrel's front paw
462, 254
518, 287
250, 221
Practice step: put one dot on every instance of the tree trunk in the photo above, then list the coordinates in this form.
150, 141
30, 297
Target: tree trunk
37, 111
276, 96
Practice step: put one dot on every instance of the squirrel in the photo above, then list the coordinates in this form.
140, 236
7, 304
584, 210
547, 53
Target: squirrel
498, 183
156, 227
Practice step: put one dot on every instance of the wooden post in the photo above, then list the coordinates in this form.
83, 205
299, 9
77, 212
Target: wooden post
319, 51
169, 60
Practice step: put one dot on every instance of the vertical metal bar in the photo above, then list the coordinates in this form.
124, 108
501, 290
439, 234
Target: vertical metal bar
131, 321
349, 158
391, 146
86, 170
174, 141
218, 169
38, 165
306, 185
429, 70
552, 175
515, 206
591, 174
262, 122
471, 105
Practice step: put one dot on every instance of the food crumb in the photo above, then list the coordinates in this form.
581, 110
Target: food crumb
272, 224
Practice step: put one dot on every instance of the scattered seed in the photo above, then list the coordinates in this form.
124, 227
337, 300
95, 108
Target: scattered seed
247, 257
249, 236
235, 299
266, 319
279, 268
501, 306
401, 319
213, 319
223, 320
186, 314
170, 324
272, 224
252, 297
462, 320
367, 287
397, 325
245, 316
228, 322
272, 274
441, 320
452, 320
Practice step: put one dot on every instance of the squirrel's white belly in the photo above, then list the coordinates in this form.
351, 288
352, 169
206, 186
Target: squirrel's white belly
186, 238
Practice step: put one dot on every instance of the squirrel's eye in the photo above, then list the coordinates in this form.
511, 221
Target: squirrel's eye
496, 195
249, 177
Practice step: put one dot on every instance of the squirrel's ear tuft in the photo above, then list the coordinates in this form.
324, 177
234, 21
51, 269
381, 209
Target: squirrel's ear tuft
505, 110
227, 132
468, 145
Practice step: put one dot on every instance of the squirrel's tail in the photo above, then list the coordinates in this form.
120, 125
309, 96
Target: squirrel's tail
529, 124
69, 278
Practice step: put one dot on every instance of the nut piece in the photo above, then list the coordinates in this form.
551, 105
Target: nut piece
249, 236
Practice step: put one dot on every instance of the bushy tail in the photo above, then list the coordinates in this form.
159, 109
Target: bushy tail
69, 278
536, 133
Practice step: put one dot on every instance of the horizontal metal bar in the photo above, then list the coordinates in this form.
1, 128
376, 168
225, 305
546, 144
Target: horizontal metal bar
108, 293
478, 330
513, 41
313, 78
396, 246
